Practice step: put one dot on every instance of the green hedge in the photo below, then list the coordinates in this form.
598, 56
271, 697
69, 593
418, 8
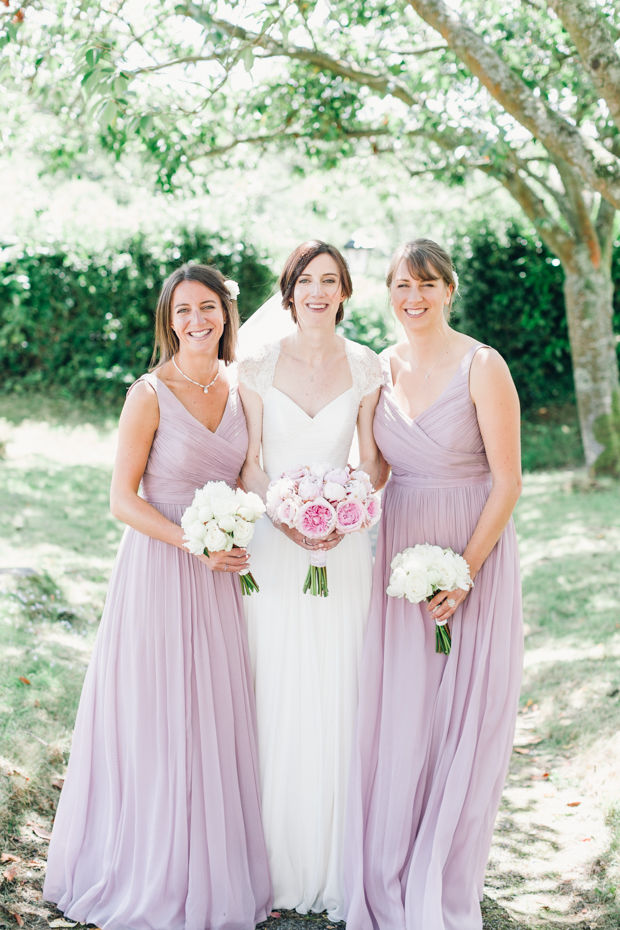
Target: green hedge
84, 327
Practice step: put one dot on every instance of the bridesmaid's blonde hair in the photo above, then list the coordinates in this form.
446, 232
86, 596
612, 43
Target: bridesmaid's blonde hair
426, 261
166, 340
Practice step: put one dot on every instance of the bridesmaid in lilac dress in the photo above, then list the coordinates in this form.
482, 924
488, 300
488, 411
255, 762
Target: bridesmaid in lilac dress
435, 732
159, 824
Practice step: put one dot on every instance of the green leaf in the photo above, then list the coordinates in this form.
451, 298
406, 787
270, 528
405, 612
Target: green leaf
107, 116
248, 58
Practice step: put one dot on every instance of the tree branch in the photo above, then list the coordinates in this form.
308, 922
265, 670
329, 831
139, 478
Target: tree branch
597, 166
582, 221
592, 36
381, 82
604, 230
557, 239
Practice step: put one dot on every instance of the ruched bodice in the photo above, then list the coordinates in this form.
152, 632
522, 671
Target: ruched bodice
442, 447
185, 454
291, 436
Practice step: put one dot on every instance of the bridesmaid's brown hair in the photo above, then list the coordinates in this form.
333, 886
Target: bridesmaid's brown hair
296, 264
426, 261
166, 340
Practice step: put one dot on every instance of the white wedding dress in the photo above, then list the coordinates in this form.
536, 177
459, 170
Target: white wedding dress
306, 650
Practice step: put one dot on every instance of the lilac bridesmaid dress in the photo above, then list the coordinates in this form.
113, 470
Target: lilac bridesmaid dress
434, 733
159, 825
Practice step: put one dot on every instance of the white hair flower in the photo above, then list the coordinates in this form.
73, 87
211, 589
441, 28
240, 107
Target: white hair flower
456, 280
233, 289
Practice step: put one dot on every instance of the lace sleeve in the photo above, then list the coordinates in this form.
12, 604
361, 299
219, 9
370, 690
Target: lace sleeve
366, 369
256, 371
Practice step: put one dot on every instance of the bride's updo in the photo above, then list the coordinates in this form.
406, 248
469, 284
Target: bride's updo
296, 264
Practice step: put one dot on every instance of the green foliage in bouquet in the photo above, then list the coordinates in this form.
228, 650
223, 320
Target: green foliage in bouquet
83, 326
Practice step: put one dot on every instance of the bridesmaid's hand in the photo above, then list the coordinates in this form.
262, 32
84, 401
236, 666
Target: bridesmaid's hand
234, 561
439, 606
312, 545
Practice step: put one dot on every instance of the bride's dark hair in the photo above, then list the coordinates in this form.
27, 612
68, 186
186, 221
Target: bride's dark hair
296, 264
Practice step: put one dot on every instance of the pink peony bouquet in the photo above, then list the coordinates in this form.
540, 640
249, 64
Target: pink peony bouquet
318, 499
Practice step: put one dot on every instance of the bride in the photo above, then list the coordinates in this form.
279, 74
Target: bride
303, 397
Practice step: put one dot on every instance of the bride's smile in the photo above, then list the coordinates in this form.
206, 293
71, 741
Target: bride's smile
318, 291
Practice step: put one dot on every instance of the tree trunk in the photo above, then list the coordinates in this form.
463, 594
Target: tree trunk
588, 292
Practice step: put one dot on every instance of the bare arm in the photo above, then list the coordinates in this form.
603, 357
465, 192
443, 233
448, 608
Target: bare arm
252, 475
138, 424
370, 458
497, 407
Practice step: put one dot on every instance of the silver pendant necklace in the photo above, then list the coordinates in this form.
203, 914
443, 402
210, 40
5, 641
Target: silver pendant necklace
205, 387
305, 364
423, 370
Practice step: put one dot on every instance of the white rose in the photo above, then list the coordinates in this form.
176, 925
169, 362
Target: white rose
233, 289
224, 507
249, 505
190, 516
398, 559
243, 533
442, 573
195, 546
196, 530
216, 540
201, 498
309, 490
417, 586
227, 523
205, 513
333, 491
396, 587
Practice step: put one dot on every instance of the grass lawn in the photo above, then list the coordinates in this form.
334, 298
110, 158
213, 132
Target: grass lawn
555, 861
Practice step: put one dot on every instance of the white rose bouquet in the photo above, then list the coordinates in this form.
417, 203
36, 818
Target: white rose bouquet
318, 499
419, 572
219, 519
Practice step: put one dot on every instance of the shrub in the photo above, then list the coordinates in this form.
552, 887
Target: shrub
84, 326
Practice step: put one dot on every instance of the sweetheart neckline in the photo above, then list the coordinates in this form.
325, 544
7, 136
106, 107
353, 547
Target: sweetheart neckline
342, 394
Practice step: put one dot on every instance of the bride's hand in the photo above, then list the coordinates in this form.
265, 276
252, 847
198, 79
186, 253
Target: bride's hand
234, 561
312, 545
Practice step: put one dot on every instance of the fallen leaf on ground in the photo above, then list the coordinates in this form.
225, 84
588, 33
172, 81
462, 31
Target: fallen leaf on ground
24, 680
275, 914
9, 857
58, 783
9, 874
19, 919
61, 922
42, 832
587, 839
522, 752
543, 776
573, 803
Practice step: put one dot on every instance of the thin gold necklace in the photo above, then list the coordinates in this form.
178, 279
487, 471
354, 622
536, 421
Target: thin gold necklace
423, 370
305, 364
205, 387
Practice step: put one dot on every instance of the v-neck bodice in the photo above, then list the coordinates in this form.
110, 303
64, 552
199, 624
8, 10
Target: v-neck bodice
186, 454
442, 446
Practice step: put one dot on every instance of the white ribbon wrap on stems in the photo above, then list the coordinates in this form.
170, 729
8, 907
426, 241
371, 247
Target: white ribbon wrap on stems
318, 558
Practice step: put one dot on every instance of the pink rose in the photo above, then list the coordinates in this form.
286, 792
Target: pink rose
350, 515
338, 476
364, 478
287, 512
373, 510
316, 519
309, 490
296, 472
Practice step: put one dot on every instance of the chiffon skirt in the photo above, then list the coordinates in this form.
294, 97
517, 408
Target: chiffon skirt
158, 826
434, 733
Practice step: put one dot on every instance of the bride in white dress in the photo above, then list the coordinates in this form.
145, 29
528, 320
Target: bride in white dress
303, 397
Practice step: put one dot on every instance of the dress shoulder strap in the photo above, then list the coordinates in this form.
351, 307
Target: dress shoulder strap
257, 371
366, 368
150, 377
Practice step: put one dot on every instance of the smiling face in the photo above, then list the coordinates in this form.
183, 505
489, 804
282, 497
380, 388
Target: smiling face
197, 317
417, 303
318, 292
